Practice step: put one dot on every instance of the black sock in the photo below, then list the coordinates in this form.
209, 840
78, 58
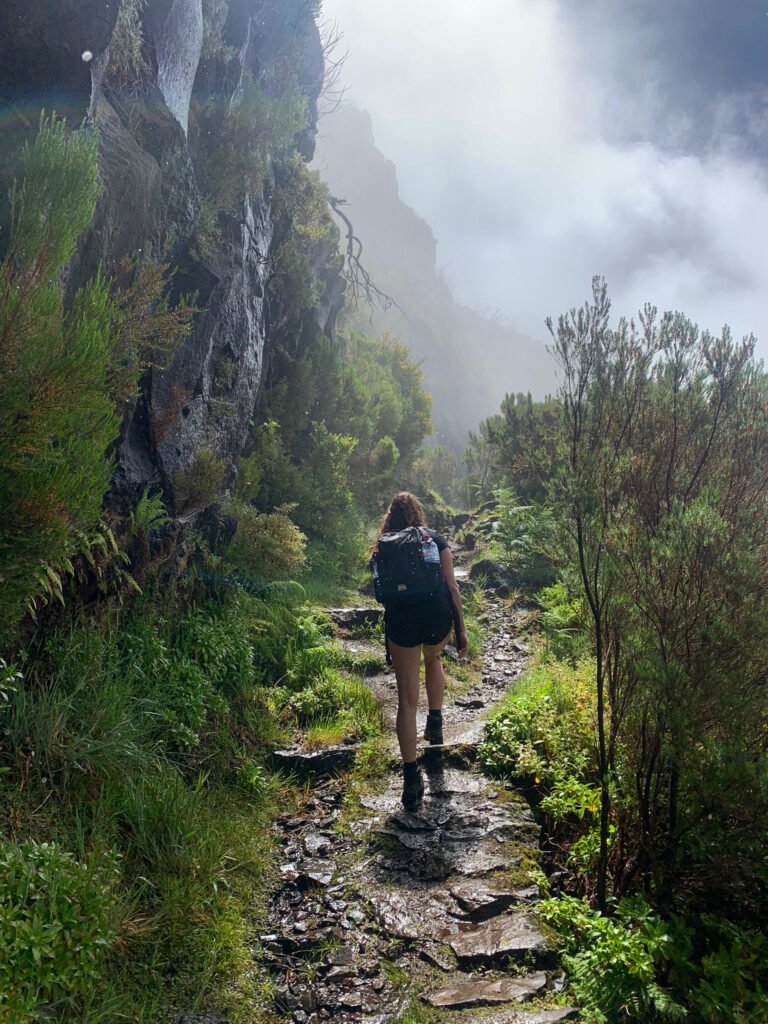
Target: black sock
435, 716
410, 769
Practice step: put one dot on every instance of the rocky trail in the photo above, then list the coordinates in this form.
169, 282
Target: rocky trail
384, 915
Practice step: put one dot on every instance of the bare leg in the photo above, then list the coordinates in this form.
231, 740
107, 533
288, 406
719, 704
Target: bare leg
406, 662
433, 670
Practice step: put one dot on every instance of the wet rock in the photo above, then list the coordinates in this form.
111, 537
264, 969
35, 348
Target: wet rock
485, 899
343, 957
505, 937
199, 1018
433, 953
460, 519
480, 992
316, 872
493, 575
470, 702
392, 914
530, 1016
318, 845
351, 618
305, 763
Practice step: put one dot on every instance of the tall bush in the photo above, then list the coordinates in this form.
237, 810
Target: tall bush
660, 488
56, 418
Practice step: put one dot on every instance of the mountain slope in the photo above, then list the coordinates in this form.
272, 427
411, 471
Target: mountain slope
470, 360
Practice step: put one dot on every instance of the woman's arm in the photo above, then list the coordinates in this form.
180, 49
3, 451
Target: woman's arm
446, 561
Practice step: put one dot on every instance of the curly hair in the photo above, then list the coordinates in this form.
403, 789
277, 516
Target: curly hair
405, 510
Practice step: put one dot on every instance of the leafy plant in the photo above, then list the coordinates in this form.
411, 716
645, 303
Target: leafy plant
150, 514
266, 545
614, 963
202, 483
56, 418
55, 926
126, 61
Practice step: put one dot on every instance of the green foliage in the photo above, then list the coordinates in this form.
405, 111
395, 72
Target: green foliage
545, 726
145, 328
524, 537
235, 151
126, 61
635, 966
562, 621
146, 732
266, 545
202, 483
613, 963
55, 927
214, 20
436, 467
56, 418
150, 514
306, 237
506, 451
657, 488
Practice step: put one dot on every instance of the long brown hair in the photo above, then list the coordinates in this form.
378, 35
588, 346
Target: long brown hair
405, 510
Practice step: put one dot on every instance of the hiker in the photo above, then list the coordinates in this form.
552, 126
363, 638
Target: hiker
413, 577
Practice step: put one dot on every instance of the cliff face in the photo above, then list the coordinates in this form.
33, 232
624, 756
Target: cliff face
470, 361
179, 90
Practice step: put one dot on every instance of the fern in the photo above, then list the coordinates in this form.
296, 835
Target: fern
150, 514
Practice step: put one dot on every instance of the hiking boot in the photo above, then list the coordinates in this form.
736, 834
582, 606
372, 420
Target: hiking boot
433, 730
413, 792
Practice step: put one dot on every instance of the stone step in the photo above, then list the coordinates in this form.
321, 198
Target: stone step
511, 935
526, 1016
315, 763
474, 992
351, 618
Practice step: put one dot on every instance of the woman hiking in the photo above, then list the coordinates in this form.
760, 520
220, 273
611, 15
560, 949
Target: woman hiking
416, 623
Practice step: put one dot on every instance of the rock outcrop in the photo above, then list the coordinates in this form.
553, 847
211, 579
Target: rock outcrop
163, 115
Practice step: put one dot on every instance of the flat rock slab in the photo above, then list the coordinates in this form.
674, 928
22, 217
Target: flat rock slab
415, 914
487, 898
328, 761
508, 936
199, 1018
478, 992
348, 618
527, 1017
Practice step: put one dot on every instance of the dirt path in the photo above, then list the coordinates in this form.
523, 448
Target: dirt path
388, 916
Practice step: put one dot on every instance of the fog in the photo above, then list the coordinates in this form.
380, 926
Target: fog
545, 142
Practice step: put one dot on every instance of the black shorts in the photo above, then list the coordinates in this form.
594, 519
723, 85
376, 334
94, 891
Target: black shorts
427, 622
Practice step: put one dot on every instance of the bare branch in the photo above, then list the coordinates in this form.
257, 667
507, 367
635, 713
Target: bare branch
360, 282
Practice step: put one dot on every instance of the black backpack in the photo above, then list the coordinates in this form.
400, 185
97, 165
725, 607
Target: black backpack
406, 567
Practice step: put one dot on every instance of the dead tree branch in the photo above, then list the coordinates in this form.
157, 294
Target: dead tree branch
361, 284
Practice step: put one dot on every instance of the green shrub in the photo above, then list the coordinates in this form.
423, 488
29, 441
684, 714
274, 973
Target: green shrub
545, 727
524, 535
235, 152
562, 623
56, 417
126, 62
55, 927
201, 484
266, 545
80, 727
613, 962
635, 967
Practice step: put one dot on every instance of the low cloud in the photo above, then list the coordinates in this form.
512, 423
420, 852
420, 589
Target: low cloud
544, 146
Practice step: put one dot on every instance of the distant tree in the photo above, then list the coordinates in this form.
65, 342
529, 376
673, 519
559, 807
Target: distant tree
506, 449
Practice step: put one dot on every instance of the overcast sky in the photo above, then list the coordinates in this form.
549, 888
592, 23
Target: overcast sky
549, 140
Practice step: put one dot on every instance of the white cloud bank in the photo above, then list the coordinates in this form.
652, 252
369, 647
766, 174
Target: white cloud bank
499, 119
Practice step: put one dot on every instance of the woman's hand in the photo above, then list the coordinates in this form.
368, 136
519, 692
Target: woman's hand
463, 644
